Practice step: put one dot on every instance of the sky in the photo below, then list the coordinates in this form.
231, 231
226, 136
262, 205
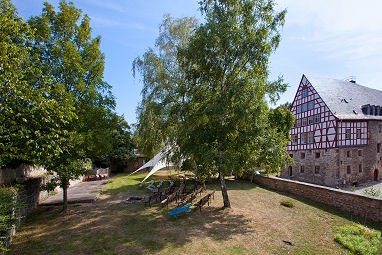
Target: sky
328, 38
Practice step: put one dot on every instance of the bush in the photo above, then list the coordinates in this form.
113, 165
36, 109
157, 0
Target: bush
8, 198
374, 192
358, 239
287, 203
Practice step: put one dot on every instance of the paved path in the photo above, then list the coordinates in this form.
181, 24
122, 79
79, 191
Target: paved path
83, 192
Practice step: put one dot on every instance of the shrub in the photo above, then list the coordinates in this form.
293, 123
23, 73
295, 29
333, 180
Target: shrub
287, 203
358, 239
8, 198
374, 192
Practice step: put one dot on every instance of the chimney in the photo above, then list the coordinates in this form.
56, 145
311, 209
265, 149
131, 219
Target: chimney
350, 79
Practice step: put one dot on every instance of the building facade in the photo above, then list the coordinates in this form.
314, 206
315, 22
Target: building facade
337, 136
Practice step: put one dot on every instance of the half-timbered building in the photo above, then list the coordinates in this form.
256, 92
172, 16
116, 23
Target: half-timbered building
337, 136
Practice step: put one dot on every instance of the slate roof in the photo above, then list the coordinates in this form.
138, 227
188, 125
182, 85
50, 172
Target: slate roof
345, 98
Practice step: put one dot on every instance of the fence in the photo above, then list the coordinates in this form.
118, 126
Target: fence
25, 200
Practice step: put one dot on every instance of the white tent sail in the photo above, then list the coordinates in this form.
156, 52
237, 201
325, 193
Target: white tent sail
158, 162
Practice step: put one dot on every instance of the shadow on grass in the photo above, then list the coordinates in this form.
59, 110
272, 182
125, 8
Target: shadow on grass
111, 227
122, 229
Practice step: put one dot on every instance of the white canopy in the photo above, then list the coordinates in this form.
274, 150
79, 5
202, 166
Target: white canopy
158, 162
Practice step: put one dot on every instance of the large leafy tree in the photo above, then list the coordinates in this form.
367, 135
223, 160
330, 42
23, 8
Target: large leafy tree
226, 126
65, 52
219, 113
32, 121
70, 56
163, 83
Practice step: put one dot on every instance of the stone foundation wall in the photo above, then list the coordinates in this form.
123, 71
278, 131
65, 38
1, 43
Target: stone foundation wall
360, 205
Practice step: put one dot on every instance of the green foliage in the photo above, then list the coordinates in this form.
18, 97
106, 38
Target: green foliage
210, 101
8, 218
358, 239
374, 192
287, 203
32, 119
226, 118
163, 82
66, 171
66, 53
122, 146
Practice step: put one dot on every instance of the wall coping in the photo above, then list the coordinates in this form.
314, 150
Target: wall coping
322, 187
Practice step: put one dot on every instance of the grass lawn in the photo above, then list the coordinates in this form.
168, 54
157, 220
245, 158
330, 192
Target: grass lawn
256, 224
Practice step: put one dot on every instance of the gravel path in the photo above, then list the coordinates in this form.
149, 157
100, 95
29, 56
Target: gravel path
361, 188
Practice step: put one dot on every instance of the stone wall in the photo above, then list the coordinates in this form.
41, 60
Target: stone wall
20, 174
363, 206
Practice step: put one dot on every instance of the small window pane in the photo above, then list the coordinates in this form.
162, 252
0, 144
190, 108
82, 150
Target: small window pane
347, 133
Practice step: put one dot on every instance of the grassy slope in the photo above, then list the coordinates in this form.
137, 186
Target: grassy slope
256, 224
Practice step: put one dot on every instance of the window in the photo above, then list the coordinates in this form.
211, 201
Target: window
360, 153
348, 169
348, 154
298, 123
294, 139
318, 155
310, 120
316, 169
290, 171
304, 107
347, 133
303, 122
302, 155
310, 137
298, 108
291, 155
358, 134
304, 93
378, 147
360, 168
303, 138
317, 118
310, 105
302, 169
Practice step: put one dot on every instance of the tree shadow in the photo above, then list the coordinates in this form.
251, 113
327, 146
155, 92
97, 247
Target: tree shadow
122, 229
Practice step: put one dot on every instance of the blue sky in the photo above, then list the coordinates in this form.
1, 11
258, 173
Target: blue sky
330, 38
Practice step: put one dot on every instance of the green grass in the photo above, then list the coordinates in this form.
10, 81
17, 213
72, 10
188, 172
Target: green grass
256, 224
359, 239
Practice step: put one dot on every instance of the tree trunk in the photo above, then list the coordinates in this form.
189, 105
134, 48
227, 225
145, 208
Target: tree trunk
223, 187
65, 197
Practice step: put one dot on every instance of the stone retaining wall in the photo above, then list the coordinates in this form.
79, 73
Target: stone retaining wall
360, 205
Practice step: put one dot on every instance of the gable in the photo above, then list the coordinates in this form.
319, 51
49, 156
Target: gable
315, 125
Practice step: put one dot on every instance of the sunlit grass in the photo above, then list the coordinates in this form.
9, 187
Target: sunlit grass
256, 224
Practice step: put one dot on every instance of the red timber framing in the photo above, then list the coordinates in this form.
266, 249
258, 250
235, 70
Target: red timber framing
315, 125
352, 133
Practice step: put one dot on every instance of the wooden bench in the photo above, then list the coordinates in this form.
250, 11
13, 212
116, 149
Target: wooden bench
205, 200
167, 190
152, 198
189, 198
173, 196
177, 210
